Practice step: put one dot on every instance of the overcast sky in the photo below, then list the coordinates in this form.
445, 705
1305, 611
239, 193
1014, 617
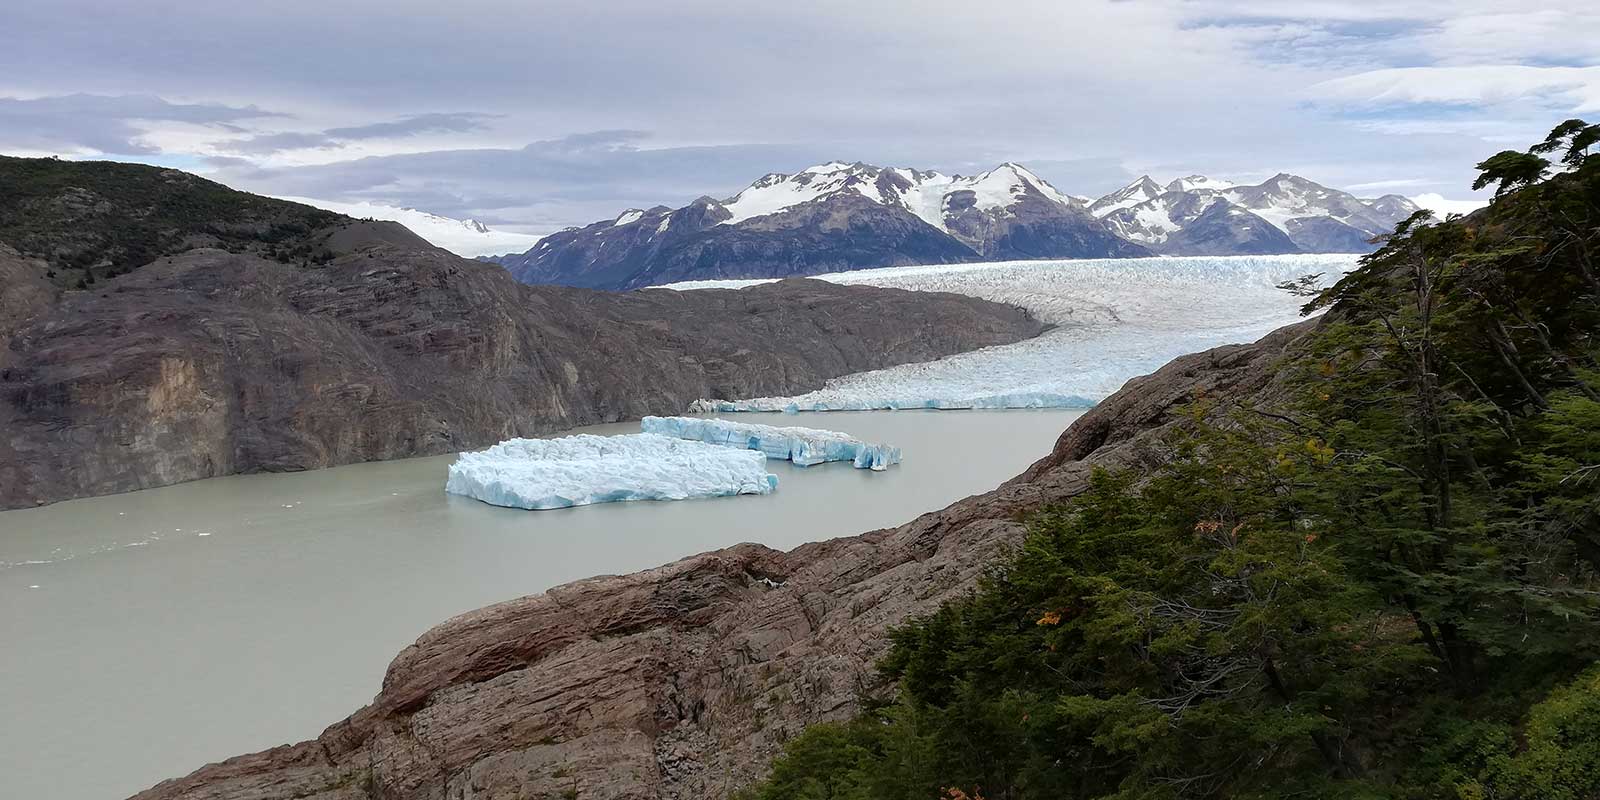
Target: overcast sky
537, 114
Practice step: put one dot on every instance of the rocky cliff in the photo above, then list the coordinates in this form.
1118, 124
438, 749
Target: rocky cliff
682, 681
209, 363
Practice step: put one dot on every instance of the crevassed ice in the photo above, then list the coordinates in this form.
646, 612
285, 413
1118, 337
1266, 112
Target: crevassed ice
584, 469
803, 446
1115, 318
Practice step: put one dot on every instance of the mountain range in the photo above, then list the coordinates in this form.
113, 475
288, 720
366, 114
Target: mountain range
840, 216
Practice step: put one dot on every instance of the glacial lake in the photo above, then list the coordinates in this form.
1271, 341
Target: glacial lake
143, 635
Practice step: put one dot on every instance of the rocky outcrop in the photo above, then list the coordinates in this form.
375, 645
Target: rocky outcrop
25, 293
683, 681
210, 363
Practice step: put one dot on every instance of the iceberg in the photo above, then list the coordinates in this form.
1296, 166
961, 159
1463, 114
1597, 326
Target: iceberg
1114, 319
584, 469
803, 446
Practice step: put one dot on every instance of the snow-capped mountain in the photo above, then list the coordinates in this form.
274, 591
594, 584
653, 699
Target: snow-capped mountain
1141, 190
829, 217
464, 237
842, 216
1198, 223
1283, 214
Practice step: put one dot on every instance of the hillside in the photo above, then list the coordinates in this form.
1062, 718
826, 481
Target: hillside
209, 362
93, 220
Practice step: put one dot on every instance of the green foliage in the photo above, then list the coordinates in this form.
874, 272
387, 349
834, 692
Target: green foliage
1387, 585
96, 220
1509, 170
1576, 136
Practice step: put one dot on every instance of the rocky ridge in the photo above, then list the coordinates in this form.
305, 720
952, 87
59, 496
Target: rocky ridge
683, 681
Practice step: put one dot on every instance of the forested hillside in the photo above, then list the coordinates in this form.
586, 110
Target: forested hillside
1382, 585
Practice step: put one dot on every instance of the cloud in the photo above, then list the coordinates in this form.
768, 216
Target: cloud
537, 188
1573, 89
1089, 92
1442, 206
415, 125
105, 124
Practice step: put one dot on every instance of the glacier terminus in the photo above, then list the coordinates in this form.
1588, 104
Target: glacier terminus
1113, 319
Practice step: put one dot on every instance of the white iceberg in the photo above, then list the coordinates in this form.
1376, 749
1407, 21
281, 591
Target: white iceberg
584, 469
803, 446
1115, 319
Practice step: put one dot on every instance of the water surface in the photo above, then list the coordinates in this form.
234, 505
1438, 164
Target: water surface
143, 635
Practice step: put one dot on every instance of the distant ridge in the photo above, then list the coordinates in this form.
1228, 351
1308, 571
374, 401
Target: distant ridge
842, 216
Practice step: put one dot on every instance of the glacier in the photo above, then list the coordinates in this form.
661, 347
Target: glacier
1114, 319
803, 446
583, 469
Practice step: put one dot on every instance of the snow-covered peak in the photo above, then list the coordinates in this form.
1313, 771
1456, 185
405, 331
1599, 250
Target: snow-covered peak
777, 191
1283, 197
628, 217
1192, 182
1128, 196
831, 167
464, 237
924, 193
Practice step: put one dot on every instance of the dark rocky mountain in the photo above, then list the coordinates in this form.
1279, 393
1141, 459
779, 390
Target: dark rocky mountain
1283, 214
824, 219
208, 362
684, 681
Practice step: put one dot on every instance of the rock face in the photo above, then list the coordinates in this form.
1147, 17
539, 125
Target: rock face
827, 218
683, 681
209, 363
25, 293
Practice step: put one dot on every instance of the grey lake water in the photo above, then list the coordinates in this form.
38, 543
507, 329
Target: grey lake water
143, 635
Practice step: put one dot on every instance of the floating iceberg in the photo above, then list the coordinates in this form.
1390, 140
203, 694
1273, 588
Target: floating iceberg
803, 446
583, 469
1115, 319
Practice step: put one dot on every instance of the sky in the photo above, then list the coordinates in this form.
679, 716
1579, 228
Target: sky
533, 115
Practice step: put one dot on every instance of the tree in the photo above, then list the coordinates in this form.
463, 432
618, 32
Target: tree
1575, 135
1510, 170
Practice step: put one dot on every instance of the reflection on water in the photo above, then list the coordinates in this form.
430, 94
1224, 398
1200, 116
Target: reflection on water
146, 634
